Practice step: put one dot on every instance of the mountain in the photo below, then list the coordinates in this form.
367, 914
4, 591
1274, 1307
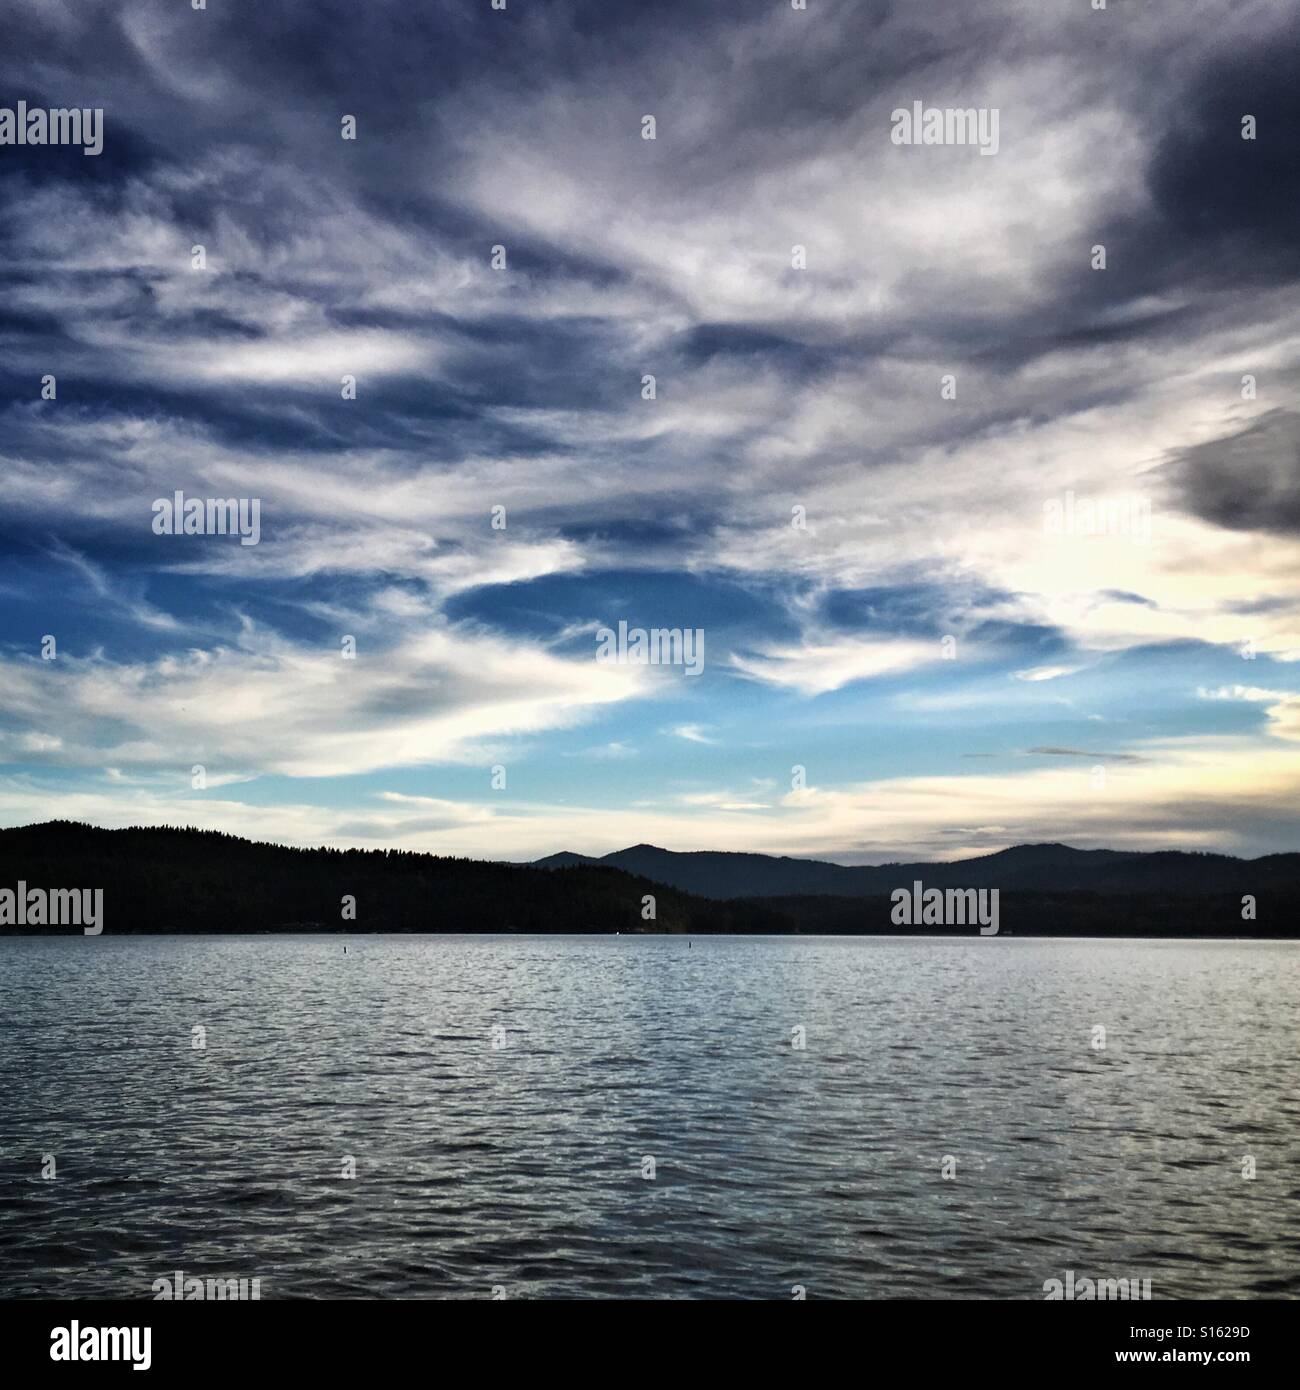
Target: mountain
195, 882
1046, 868
564, 860
173, 880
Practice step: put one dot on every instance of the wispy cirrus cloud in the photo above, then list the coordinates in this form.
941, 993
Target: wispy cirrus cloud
796, 485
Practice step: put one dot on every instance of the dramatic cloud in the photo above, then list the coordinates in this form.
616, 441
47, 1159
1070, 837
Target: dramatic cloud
947, 455
1249, 481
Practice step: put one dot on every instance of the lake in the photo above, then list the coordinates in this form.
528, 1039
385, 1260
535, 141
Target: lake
630, 1116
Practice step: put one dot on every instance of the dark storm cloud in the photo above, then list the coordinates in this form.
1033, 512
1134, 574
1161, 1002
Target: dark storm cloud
1249, 481
1223, 196
1220, 212
1121, 596
1086, 753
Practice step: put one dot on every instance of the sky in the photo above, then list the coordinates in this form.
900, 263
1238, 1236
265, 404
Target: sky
976, 470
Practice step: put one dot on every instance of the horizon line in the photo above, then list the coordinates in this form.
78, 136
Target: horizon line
644, 844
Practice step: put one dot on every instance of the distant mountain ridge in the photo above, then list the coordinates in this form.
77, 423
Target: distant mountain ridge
192, 882
1053, 868
168, 879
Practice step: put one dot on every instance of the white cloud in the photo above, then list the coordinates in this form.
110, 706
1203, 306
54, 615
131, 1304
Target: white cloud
1211, 794
817, 666
1046, 673
692, 733
440, 695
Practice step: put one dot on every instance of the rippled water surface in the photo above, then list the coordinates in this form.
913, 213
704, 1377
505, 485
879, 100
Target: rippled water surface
522, 1166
